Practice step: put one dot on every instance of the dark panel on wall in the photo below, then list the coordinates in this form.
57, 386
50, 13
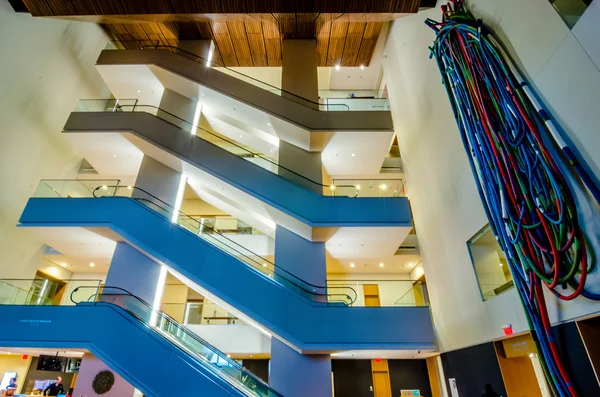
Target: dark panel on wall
473, 367
576, 359
409, 374
34, 374
259, 368
352, 378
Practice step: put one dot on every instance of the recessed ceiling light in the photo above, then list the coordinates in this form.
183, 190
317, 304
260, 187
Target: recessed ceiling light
202, 94
63, 264
381, 264
114, 155
264, 265
92, 264
139, 91
240, 136
410, 265
352, 265
383, 186
269, 124
337, 67
229, 355
332, 187
352, 155
129, 187
362, 67
501, 264
357, 187
104, 187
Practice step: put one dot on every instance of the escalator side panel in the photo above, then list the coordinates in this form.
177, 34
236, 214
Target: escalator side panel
303, 204
143, 358
305, 117
279, 309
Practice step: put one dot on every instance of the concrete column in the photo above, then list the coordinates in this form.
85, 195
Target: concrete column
182, 107
296, 375
291, 373
306, 164
157, 179
299, 69
134, 272
299, 77
90, 367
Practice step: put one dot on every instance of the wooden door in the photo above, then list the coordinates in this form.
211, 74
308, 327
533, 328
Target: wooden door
381, 384
371, 292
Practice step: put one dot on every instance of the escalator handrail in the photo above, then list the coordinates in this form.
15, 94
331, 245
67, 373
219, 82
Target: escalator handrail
204, 60
94, 299
265, 158
172, 210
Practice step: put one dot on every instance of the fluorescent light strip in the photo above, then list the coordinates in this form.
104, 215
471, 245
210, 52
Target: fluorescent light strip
179, 199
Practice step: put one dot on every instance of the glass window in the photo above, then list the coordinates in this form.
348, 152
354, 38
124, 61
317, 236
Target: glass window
570, 10
491, 266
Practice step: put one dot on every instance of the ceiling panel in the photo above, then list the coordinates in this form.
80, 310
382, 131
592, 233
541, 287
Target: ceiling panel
245, 32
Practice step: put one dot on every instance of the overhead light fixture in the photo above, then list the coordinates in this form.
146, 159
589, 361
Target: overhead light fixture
352, 265
63, 264
362, 67
269, 124
139, 91
500, 264
337, 67
92, 264
129, 187
353, 155
104, 187
229, 355
114, 155
381, 264
332, 187
357, 187
264, 265
383, 186
410, 265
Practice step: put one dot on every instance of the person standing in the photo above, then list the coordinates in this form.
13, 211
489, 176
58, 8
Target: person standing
55, 388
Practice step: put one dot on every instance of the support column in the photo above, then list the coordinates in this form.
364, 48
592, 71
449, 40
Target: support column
299, 69
135, 272
291, 373
182, 107
90, 367
158, 180
299, 77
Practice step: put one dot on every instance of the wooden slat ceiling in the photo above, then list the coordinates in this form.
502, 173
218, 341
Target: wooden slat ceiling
245, 32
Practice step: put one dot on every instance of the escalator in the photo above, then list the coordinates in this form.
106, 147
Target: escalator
175, 68
312, 318
144, 346
252, 175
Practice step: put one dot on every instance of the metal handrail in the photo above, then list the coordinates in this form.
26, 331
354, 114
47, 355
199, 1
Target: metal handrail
118, 107
240, 248
94, 298
196, 58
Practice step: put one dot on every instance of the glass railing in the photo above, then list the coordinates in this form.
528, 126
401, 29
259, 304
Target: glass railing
261, 160
40, 291
355, 100
208, 312
371, 187
384, 292
19, 292
328, 100
316, 294
224, 225
186, 340
72, 187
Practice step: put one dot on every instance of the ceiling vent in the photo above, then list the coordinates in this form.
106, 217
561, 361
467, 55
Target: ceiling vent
86, 168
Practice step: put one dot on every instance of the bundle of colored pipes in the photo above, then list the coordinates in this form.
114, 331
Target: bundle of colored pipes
529, 204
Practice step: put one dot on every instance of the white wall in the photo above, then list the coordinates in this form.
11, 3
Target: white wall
237, 339
46, 66
445, 203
